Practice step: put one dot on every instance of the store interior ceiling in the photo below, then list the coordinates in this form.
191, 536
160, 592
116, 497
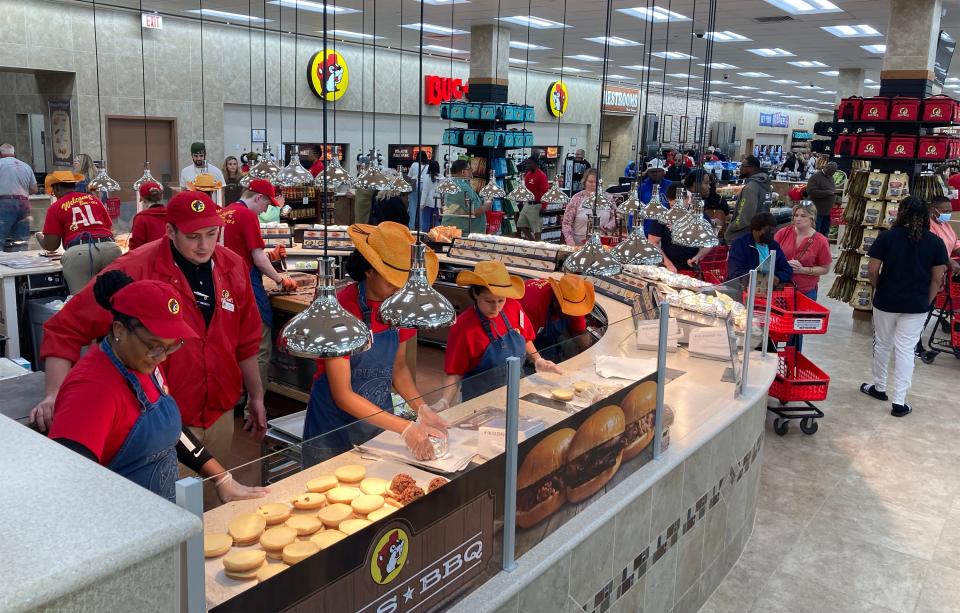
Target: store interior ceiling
765, 26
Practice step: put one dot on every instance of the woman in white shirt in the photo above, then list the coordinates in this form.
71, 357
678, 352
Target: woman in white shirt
417, 169
429, 213
576, 218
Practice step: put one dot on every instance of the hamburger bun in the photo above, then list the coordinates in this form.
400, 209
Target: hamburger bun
546, 457
591, 487
641, 401
605, 424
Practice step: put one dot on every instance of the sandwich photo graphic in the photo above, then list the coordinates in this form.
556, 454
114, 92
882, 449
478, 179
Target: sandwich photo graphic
595, 453
540, 483
639, 411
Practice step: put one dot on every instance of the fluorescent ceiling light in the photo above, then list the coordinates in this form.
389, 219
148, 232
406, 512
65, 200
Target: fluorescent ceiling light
744, 87
715, 82
871, 87
583, 57
761, 99
688, 87
657, 14
805, 7
442, 49
808, 64
948, 80
953, 86
830, 73
726, 37
785, 82
620, 77
770, 92
314, 7
755, 75
811, 100
228, 15
571, 69
673, 55
878, 49
826, 92
810, 87
741, 96
351, 34
538, 23
768, 52
720, 66
861, 31
429, 27
613, 41
444, 2
641, 67
682, 75
516, 44
656, 82
516, 60
792, 97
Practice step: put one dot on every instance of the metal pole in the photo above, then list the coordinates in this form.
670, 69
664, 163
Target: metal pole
194, 598
771, 267
661, 378
748, 333
510, 479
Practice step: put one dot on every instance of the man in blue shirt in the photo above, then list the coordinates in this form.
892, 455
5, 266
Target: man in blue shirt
749, 250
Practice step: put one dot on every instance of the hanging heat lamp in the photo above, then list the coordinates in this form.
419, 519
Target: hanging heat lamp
147, 177
598, 200
333, 175
265, 169
695, 230
373, 177
491, 190
555, 195
654, 209
102, 182
400, 184
632, 204
294, 174
635, 249
521, 194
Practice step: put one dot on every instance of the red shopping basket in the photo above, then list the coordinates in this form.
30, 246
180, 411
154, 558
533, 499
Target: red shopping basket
836, 216
713, 266
792, 313
113, 207
494, 221
949, 288
798, 379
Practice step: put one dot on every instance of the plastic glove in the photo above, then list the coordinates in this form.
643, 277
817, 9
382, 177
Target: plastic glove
427, 415
277, 253
228, 489
543, 366
416, 437
287, 284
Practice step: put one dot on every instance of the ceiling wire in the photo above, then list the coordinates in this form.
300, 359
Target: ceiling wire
642, 109
96, 56
143, 75
663, 88
563, 46
603, 89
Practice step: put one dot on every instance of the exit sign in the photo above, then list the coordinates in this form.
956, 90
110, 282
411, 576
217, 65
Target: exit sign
152, 21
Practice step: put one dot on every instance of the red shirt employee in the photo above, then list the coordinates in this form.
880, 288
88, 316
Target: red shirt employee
213, 287
82, 224
536, 181
350, 400
150, 223
557, 310
487, 333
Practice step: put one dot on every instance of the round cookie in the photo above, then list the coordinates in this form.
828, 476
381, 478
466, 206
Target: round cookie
277, 538
350, 526
374, 485
327, 538
246, 528
299, 551
342, 494
381, 513
269, 570
274, 512
351, 473
241, 561
247, 575
304, 524
331, 515
367, 503
564, 394
322, 483
309, 500
215, 545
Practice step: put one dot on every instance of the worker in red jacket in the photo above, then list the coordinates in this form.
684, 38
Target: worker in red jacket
207, 376
150, 223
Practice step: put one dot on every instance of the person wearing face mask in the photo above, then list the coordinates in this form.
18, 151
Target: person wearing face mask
206, 376
940, 209
350, 401
749, 250
198, 155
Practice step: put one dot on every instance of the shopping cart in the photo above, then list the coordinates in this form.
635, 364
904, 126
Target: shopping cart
713, 266
946, 312
792, 313
798, 380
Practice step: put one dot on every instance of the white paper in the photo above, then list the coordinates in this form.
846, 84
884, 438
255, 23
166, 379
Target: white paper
648, 334
710, 342
632, 369
463, 446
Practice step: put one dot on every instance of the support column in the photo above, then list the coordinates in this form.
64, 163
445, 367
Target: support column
850, 83
489, 63
912, 34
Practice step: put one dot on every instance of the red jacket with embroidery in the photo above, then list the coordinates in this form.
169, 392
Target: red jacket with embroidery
148, 225
204, 375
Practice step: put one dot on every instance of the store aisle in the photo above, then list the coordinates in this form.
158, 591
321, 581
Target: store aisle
863, 516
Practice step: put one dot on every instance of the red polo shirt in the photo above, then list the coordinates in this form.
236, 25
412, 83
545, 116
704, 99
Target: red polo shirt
241, 231
148, 225
536, 302
96, 407
467, 340
538, 183
76, 213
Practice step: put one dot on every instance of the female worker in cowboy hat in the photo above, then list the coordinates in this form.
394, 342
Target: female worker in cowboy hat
557, 309
350, 401
486, 334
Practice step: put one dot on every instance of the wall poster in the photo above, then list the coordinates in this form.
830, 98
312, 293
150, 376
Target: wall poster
684, 128
667, 132
61, 128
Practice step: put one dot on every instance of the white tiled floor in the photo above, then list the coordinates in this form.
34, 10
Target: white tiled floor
863, 516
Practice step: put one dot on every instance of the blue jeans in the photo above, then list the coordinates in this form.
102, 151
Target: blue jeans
413, 201
823, 224
428, 218
13, 219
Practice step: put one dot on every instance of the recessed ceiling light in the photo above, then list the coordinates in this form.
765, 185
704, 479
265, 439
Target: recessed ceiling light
721, 66
228, 15
538, 23
810, 100
810, 87
583, 57
516, 60
516, 44
805, 7
878, 49
755, 75
351, 34
808, 64
826, 92
571, 69
620, 77
442, 49
429, 27
673, 55
861, 31
744, 87
657, 14
314, 7
613, 41
444, 2
830, 73
726, 37
871, 87
682, 75
761, 99
785, 82
739, 96
770, 92
715, 82
768, 52
640, 67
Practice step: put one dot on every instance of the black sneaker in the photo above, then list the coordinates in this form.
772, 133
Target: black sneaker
899, 410
873, 392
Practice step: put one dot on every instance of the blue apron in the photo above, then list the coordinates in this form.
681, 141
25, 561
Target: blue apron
148, 455
553, 331
260, 294
371, 376
495, 356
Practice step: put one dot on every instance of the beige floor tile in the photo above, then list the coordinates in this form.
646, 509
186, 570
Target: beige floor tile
785, 593
947, 551
941, 591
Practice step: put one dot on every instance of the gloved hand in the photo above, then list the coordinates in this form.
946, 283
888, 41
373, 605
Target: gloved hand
543, 366
228, 489
287, 284
416, 437
277, 253
427, 415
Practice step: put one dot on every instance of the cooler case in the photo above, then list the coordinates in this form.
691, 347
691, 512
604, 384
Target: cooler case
512, 112
490, 112
457, 111
870, 145
529, 113
846, 144
875, 109
470, 138
933, 147
472, 111
941, 109
902, 146
850, 108
904, 108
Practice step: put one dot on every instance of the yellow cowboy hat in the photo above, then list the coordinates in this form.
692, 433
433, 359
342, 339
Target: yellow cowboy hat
387, 248
574, 293
61, 176
204, 182
494, 277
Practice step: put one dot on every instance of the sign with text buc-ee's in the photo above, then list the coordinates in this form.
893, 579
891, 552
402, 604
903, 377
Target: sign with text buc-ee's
443, 89
774, 120
620, 99
328, 75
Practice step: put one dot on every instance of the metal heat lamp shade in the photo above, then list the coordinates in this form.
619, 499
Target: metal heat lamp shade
264, 169
294, 174
592, 259
632, 204
598, 200
373, 178
417, 304
401, 184
491, 190
636, 249
146, 178
555, 195
325, 329
521, 194
654, 209
333, 174
448, 186
695, 231
103, 182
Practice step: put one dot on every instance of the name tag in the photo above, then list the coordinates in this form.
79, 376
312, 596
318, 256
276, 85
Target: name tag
227, 305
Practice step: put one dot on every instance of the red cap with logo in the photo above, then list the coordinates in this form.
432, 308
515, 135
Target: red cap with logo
191, 211
264, 188
146, 187
155, 305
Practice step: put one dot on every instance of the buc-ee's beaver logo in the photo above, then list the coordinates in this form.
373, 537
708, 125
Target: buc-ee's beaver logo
173, 306
900, 150
931, 150
197, 207
869, 148
328, 75
936, 112
390, 556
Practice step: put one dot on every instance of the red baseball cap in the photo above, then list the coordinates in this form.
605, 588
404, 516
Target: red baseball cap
146, 187
156, 306
190, 211
264, 188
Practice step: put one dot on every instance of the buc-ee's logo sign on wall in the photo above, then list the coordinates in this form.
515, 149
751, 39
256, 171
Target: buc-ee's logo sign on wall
557, 98
443, 89
328, 75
